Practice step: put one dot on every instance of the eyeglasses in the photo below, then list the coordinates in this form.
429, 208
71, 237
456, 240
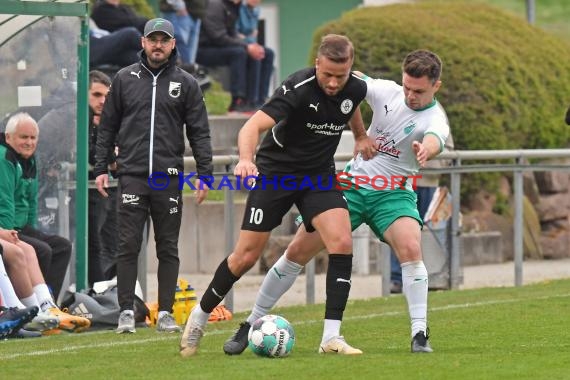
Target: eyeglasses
155, 41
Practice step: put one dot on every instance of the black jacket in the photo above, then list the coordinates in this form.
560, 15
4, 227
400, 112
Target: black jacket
149, 143
219, 25
111, 18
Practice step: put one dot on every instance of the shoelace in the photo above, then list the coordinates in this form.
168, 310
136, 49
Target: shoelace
167, 320
125, 319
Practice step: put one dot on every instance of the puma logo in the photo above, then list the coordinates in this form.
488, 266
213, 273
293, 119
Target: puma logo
280, 275
216, 294
315, 106
138, 75
285, 89
386, 108
175, 200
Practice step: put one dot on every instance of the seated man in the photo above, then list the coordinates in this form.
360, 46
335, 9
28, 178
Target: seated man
111, 15
258, 71
19, 198
119, 48
22, 284
220, 46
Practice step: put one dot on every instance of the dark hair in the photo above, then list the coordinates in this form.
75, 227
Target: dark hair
96, 76
337, 48
421, 63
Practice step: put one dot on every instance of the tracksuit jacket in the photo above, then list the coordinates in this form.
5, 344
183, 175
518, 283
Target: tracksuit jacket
18, 189
145, 114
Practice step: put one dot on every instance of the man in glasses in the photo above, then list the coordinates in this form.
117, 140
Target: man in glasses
148, 108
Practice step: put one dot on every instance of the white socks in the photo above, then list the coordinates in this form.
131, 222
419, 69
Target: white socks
199, 316
10, 298
278, 280
330, 330
415, 288
43, 295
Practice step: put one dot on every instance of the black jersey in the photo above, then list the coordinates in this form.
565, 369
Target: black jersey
309, 124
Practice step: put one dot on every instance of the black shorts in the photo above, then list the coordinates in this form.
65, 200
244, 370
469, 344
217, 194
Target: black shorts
270, 200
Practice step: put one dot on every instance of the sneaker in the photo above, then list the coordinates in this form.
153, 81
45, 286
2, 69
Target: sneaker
190, 339
42, 322
420, 342
68, 322
12, 319
167, 324
238, 342
337, 345
25, 333
126, 322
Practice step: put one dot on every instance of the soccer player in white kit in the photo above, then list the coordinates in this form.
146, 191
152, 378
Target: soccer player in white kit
409, 127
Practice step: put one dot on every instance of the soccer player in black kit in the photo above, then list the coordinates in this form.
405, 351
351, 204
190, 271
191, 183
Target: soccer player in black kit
306, 115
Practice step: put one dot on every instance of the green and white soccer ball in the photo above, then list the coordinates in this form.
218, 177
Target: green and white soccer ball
271, 336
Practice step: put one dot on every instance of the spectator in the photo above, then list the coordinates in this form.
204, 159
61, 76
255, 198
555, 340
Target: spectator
102, 236
186, 16
119, 48
149, 143
19, 198
221, 46
23, 285
111, 15
258, 71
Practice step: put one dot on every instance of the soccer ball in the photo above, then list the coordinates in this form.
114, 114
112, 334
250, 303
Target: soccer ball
271, 336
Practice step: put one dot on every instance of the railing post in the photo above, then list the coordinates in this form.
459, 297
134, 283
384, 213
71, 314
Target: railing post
229, 233
386, 268
455, 275
310, 282
518, 223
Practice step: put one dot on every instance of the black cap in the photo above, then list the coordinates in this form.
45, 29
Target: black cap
159, 25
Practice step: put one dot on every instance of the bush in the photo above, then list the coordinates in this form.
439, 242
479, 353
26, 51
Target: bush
506, 84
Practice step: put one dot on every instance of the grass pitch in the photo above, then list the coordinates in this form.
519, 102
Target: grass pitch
493, 333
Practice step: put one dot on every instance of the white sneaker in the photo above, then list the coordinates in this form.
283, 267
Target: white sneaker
166, 323
337, 345
126, 322
43, 321
190, 339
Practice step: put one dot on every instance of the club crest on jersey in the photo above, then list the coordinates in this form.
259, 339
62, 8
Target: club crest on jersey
346, 106
174, 89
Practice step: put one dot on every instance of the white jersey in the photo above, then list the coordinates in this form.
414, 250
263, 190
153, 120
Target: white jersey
394, 127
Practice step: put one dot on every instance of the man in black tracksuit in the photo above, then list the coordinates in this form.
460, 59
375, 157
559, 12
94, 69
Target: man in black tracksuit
145, 112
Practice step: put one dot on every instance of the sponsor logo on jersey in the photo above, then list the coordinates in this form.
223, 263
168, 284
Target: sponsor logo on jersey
346, 106
285, 89
174, 89
326, 128
386, 109
315, 106
388, 147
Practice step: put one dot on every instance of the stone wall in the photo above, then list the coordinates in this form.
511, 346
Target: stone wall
553, 209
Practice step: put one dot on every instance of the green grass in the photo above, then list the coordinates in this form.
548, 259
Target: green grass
500, 333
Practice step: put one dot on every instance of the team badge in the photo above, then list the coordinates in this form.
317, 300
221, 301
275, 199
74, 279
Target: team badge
346, 106
174, 89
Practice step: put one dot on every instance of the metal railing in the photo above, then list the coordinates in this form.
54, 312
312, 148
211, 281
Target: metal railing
518, 165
